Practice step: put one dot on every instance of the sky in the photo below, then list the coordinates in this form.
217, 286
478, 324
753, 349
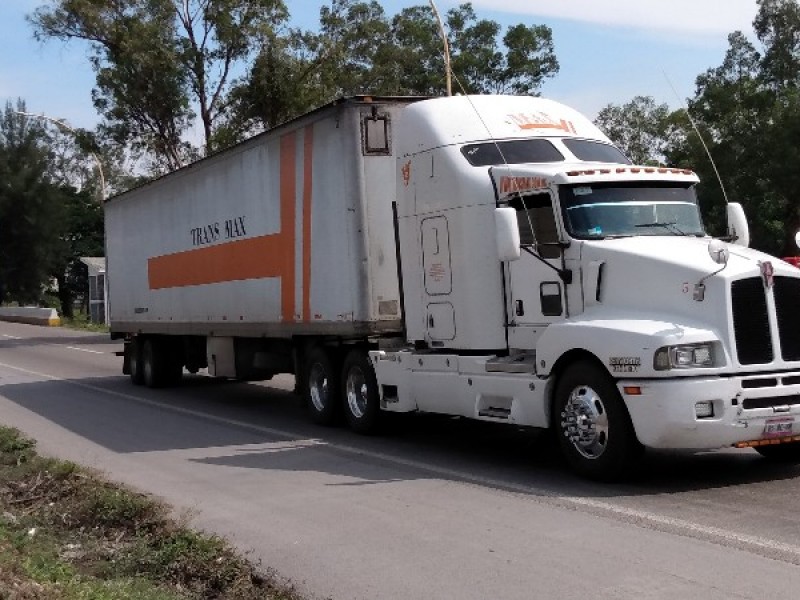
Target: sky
609, 50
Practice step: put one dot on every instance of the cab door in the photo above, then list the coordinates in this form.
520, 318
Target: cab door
440, 319
536, 291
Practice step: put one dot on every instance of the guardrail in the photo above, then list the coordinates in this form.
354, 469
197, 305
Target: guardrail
31, 315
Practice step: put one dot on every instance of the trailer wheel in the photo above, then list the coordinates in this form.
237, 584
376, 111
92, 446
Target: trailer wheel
593, 426
154, 363
360, 391
784, 453
133, 350
321, 387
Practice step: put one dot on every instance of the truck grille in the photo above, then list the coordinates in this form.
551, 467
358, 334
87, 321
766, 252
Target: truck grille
751, 322
787, 307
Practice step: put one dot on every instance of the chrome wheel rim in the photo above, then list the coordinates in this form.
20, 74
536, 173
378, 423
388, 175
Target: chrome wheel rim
318, 387
584, 422
356, 388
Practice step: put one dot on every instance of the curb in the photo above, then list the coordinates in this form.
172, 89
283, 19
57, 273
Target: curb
30, 315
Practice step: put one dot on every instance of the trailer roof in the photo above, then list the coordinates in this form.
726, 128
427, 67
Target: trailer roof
342, 101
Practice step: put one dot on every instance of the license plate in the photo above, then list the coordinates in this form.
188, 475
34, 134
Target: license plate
774, 428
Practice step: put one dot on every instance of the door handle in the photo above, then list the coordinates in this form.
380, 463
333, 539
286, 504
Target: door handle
519, 308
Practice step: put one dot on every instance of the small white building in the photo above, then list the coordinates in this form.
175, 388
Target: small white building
98, 295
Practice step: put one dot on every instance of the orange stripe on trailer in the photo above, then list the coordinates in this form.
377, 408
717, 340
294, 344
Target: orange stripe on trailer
288, 192
254, 258
308, 161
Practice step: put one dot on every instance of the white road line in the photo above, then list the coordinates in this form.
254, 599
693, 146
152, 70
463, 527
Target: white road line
632, 516
79, 349
14, 337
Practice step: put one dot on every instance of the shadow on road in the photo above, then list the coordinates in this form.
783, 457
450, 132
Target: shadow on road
208, 413
117, 416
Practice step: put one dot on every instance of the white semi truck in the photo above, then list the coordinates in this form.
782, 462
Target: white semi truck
492, 257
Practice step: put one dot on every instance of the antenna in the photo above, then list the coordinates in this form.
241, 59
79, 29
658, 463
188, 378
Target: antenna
699, 135
450, 76
443, 33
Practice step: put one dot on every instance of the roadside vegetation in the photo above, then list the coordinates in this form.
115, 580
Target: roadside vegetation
81, 321
65, 533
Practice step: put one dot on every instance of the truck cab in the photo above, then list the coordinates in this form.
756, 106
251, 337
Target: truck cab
548, 282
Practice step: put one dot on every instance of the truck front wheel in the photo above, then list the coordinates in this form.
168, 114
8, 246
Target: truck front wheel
593, 426
322, 387
360, 390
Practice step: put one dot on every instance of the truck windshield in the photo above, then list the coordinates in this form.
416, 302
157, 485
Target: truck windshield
619, 210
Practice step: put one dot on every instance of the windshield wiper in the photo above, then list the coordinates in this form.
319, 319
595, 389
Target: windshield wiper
668, 225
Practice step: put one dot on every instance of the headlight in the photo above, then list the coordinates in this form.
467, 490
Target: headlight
686, 356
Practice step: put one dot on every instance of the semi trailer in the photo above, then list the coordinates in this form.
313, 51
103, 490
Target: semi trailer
489, 257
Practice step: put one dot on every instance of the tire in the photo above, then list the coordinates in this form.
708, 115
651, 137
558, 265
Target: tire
321, 387
593, 426
781, 453
134, 356
155, 366
360, 393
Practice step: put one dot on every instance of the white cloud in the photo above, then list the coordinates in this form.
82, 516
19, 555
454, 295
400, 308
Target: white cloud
705, 17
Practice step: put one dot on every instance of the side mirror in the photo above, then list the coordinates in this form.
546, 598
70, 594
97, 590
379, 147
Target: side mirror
718, 251
506, 231
797, 239
737, 224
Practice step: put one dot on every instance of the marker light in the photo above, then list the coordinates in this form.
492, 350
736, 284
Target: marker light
632, 170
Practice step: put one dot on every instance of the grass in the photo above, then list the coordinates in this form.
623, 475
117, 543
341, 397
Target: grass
68, 534
81, 321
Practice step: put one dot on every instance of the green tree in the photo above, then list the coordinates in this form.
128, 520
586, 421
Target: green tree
728, 107
301, 70
747, 111
777, 26
749, 107
640, 128
358, 49
81, 235
31, 208
156, 60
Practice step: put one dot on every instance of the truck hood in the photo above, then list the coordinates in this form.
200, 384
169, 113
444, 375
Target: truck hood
656, 276
686, 254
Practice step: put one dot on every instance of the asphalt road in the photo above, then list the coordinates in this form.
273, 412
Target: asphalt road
436, 508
